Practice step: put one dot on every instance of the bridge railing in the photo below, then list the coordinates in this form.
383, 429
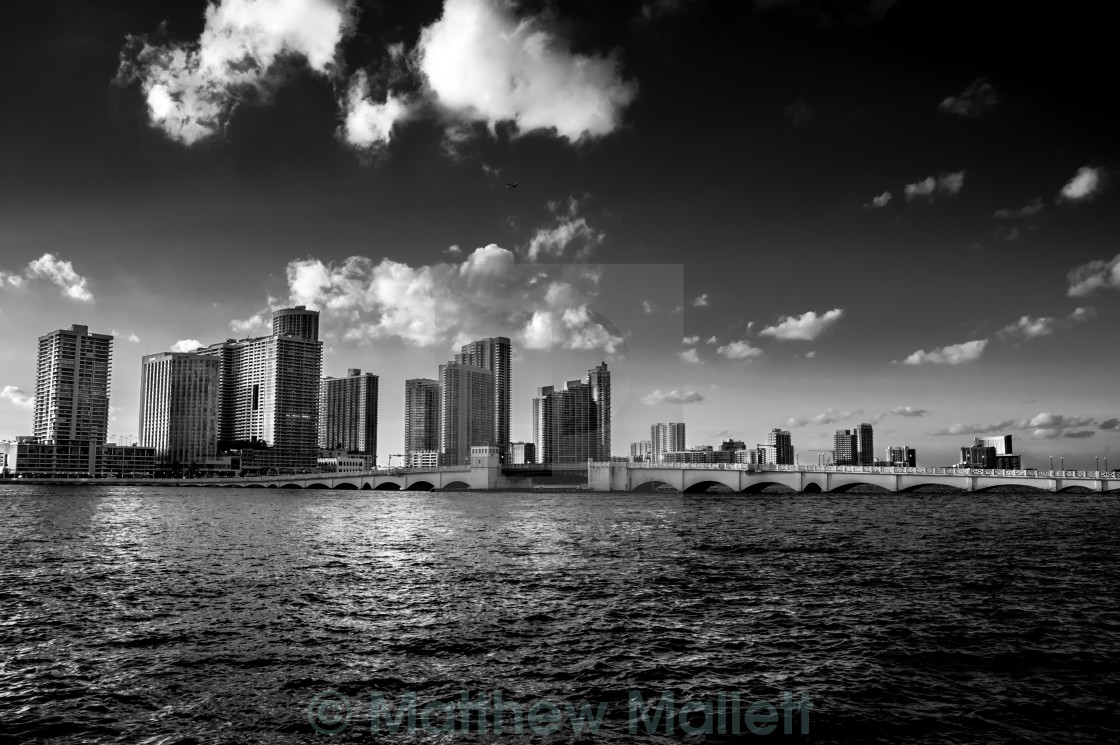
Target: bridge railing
933, 471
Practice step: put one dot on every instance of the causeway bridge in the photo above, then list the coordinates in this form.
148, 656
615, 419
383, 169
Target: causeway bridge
486, 473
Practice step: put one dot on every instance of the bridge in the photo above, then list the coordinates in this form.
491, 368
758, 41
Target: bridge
486, 473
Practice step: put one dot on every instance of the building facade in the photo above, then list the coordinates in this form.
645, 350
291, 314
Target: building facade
572, 424
297, 322
72, 380
902, 456
494, 354
666, 438
179, 406
1002, 444
466, 411
348, 413
421, 416
782, 442
522, 453
865, 445
641, 451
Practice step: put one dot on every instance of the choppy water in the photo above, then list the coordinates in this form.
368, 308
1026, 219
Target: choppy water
198, 615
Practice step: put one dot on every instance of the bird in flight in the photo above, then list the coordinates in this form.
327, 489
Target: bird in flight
513, 185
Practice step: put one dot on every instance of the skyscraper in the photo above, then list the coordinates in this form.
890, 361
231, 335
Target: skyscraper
865, 443
641, 451
270, 388
494, 354
572, 424
466, 410
1002, 444
666, 438
72, 386
902, 456
845, 449
782, 442
421, 416
179, 406
348, 413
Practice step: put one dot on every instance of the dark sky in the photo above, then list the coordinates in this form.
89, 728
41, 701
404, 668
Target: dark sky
732, 152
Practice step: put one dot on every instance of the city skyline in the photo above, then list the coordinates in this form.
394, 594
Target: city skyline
862, 236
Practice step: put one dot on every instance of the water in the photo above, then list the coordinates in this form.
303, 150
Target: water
205, 615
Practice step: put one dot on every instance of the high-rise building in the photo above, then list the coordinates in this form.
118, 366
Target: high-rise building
72, 386
782, 442
1002, 444
766, 455
179, 407
666, 438
730, 445
572, 424
466, 410
641, 451
421, 416
269, 391
865, 445
348, 413
845, 450
494, 354
902, 456
521, 453
298, 322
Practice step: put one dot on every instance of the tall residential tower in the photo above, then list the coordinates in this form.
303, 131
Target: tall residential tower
348, 413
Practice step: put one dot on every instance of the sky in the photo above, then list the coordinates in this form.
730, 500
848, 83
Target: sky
780, 213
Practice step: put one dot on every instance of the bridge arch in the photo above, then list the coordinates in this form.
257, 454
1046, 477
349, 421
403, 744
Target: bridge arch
863, 486
388, 486
651, 486
317, 485
931, 488
774, 487
812, 488
702, 486
367, 486
291, 486
420, 486
1075, 489
457, 485
345, 485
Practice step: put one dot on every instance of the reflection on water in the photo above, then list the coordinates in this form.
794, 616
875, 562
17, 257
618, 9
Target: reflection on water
198, 615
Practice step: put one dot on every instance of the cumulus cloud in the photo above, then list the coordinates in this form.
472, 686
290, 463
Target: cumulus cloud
739, 350
828, 417
1030, 328
908, 411
690, 356
671, 397
946, 183
1095, 275
712, 340
1085, 184
11, 280
127, 337
954, 354
973, 429
880, 201
1030, 210
485, 294
701, 301
368, 124
17, 396
691, 340
1082, 314
482, 63
978, 98
647, 306
810, 355
62, 273
186, 345
569, 230
807, 327
193, 88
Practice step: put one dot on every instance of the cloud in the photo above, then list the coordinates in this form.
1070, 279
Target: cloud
739, 350
810, 355
368, 124
11, 280
690, 356
1029, 210
978, 98
481, 63
954, 354
62, 274
17, 396
569, 229
1082, 314
193, 88
671, 397
127, 337
453, 250
701, 301
1110, 424
1096, 275
1085, 184
186, 345
828, 417
1030, 328
487, 294
908, 411
1048, 426
929, 187
691, 340
712, 340
807, 327
973, 429
799, 112
880, 201
647, 306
